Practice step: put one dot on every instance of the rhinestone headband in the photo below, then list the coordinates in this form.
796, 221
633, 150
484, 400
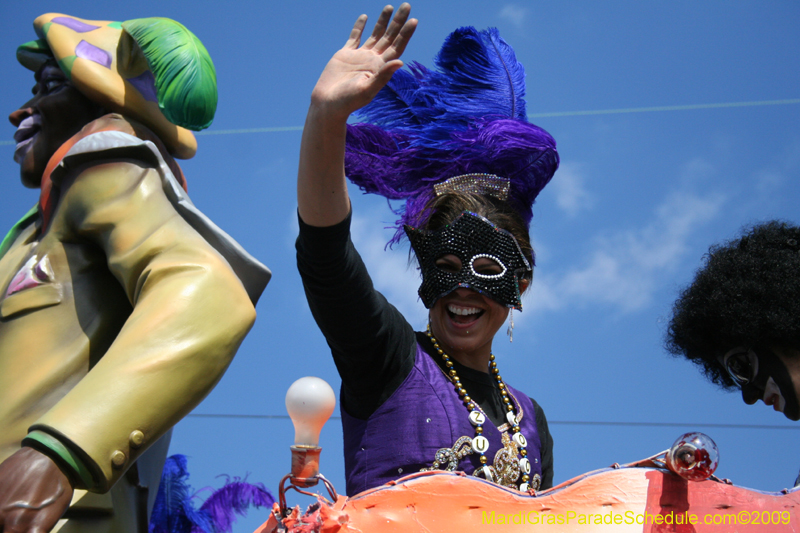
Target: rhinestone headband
485, 184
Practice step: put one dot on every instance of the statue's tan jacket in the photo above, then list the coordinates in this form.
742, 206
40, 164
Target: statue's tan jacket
126, 320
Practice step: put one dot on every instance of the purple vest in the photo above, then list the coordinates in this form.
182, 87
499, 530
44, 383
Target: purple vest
423, 416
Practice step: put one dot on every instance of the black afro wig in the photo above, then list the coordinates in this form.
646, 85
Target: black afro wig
747, 293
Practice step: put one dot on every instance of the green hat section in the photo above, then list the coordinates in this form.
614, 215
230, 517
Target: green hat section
34, 54
185, 79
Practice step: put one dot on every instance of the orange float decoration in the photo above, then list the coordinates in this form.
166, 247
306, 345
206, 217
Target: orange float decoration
674, 491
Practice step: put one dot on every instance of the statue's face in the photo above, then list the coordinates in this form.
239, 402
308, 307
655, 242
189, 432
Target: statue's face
56, 112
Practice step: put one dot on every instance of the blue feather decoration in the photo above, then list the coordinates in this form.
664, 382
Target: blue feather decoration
395, 105
466, 115
479, 76
174, 510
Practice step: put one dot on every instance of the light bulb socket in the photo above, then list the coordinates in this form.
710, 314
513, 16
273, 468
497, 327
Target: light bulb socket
305, 465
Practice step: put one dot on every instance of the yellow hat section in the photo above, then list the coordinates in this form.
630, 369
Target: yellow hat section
100, 58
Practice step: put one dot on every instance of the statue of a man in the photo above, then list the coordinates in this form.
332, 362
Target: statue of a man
121, 304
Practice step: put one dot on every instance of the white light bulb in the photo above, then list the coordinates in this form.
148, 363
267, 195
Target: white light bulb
310, 402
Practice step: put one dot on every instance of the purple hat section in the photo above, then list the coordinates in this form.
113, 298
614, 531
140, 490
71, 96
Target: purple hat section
145, 83
75, 25
468, 115
93, 53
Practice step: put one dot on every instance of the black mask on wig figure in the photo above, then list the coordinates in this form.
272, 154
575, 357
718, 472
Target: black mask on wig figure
770, 365
469, 237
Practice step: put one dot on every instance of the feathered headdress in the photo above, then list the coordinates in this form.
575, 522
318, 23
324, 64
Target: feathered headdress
465, 116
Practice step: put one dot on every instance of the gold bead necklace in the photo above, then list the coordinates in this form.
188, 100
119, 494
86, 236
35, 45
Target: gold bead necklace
477, 418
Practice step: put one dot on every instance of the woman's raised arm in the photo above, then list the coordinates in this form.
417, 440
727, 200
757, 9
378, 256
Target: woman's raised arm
350, 80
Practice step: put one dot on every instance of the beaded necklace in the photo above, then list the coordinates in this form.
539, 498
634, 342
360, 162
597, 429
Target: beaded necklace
477, 418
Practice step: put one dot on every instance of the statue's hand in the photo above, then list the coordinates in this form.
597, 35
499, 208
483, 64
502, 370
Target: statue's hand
355, 74
34, 493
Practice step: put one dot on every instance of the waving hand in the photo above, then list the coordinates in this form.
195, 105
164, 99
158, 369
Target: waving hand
351, 79
356, 73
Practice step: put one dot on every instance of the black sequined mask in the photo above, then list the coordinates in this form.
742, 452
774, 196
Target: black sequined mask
469, 237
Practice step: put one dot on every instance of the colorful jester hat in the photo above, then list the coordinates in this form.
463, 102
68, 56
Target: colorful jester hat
153, 70
446, 127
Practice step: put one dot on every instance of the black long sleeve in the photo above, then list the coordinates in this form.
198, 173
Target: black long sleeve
373, 346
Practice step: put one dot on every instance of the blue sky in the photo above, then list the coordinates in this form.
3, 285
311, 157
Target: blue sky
621, 228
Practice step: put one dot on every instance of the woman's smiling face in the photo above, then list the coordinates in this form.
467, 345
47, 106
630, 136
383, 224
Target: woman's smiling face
465, 321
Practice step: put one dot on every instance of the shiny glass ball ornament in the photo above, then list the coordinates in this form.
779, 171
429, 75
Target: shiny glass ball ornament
694, 456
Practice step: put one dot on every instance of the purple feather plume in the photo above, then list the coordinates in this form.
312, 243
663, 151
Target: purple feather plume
234, 498
466, 115
174, 510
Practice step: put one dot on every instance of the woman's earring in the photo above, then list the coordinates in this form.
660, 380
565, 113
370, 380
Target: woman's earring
510, 330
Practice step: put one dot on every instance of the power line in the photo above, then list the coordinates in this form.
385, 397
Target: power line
550, 422
665, 108
620, 111
250, 130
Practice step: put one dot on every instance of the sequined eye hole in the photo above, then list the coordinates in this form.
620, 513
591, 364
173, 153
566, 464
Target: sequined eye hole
487, 266
449, 263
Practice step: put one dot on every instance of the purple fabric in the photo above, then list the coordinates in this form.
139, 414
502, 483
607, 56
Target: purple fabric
422, 416
145, 83
93, 53
75, 25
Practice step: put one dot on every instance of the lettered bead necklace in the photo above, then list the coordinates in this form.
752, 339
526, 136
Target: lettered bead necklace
477, 418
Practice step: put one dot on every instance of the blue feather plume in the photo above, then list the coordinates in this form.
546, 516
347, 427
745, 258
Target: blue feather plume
477, 75
483, 76
468, 114
397, 105
174, 510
